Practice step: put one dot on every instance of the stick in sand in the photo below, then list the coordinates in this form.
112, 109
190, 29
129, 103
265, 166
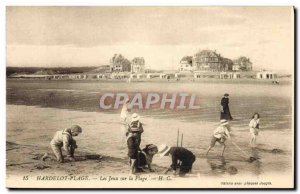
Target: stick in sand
181, 139
177, 137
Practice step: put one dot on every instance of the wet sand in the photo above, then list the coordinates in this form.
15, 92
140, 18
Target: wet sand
28, 138
37, 109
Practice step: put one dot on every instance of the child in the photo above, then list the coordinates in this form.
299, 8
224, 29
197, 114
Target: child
220, 135
133, 145
124, 120
146, 155
182, 158
64, 139
136, 125
254, 128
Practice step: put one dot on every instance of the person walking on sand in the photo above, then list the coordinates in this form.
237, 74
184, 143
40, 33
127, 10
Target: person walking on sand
182, 158
254, 128
220, 135
133, 144
64, 139
225, 111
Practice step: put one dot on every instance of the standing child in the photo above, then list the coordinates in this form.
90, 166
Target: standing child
124, 120
254, 128
64, 139
133, 144
220, 135
136, 125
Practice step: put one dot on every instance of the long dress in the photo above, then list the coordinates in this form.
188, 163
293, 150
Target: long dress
226, 111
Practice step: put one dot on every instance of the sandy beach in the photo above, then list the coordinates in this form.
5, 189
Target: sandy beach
28, 137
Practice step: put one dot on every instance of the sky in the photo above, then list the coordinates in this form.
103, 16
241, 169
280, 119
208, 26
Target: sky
90, 36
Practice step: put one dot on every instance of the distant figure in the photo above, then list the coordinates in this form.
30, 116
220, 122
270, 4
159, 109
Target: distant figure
124, 118
182, 158
225, 111
254, 128
220, 135
133, 144
64, 139
145, 156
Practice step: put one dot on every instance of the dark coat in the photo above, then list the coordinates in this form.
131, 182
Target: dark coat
226, 111
184, 156
133, 145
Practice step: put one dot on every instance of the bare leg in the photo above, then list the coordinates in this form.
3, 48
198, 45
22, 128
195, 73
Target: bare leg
132, 166
209, 148
224, 146
254, 140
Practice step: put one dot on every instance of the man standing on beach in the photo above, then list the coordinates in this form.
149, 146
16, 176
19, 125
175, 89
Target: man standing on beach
225, 111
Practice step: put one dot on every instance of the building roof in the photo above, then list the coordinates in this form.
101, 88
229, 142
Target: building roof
206, 53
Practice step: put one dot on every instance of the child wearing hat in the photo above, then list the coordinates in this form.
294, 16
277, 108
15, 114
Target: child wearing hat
182, 158
136, 125
64, 139
145, 156
220, 135
133, 141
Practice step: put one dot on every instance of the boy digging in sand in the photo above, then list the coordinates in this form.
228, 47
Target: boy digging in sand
220, 135
64, 139
182, 158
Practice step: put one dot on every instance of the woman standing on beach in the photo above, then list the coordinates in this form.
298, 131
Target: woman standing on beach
254, 128
225, 111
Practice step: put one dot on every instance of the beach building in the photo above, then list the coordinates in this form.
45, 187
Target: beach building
149, 76
242, 64
236, 75
207, 60
226, 64
81, 76
132, 76
266, 75
224, 75
197, 75
186, 64
236, 67
229, 75
100, 76
118, 63
164, 76
138, 65
140, 76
